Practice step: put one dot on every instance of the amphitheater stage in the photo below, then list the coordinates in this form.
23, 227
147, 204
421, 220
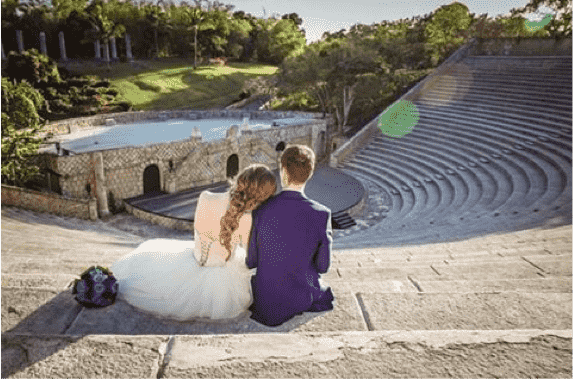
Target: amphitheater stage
329, 186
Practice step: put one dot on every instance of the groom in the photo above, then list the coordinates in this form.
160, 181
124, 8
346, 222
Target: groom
290, 247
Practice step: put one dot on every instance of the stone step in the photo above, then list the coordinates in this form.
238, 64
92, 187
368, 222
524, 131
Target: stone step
382, 306
53, 281
546, 264
473, 250
381, 354
554, 284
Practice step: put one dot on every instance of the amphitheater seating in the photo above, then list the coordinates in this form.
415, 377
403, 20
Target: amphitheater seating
492, 147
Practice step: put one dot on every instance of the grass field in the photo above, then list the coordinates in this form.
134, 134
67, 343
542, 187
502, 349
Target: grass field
153, 85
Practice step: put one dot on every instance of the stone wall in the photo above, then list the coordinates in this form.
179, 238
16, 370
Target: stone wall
50, 203
169, 222
182, 164
72, 125
521, 47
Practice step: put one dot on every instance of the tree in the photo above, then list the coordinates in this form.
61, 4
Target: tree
443, 29
285, 39
20, 127
159, 20
194, 18
103, 28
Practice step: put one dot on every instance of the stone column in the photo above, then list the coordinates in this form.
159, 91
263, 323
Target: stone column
43, 47
20, 40
128, 47
101, 190
63, 56
113, 48
106, 52
97, 48
93, 208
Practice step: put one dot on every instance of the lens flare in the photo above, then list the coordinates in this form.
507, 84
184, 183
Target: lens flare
399, 120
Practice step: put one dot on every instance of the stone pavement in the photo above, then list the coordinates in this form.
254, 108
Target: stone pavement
496, 306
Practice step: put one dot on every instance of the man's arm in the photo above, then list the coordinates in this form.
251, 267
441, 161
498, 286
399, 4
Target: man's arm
322, 258
252, 259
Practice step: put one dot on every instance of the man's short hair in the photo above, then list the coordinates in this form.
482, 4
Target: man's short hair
298, 160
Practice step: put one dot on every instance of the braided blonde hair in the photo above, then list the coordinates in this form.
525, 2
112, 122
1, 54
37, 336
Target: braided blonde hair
253, 185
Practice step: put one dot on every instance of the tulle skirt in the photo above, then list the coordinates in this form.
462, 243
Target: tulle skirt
162, 277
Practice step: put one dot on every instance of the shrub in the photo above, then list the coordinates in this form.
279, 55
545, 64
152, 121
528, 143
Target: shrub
20, 126
32, 67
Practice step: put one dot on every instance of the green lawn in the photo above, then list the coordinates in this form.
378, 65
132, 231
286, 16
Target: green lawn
173, 84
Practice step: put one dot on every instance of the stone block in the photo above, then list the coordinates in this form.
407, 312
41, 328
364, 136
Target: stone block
552, 264
87, 356
561, 284
37, 310
381, 273
486, 271
470, 311
378, 286
49, 281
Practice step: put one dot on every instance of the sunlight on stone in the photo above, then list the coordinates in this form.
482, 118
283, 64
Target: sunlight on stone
445, 88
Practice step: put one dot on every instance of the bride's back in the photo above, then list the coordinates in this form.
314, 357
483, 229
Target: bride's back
211, 207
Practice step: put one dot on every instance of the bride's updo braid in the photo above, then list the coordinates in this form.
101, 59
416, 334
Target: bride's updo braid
253, 185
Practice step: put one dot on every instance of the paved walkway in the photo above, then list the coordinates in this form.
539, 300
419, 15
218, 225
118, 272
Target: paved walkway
496, 306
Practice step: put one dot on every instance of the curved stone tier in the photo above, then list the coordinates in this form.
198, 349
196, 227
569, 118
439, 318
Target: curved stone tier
491, 152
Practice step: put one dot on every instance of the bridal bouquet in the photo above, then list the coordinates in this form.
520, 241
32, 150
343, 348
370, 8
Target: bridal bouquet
97, 287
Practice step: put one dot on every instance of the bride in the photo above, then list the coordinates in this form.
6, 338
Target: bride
207, 277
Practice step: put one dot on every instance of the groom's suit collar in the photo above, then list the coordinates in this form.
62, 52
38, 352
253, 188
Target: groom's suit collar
291, 194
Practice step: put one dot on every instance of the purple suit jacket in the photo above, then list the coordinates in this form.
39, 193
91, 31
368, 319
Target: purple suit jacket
290, 246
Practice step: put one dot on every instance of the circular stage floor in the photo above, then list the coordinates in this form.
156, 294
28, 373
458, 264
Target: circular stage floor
328, 186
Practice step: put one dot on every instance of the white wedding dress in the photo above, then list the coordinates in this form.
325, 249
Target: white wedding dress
165, 277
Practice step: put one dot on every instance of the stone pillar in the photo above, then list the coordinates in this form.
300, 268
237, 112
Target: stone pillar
43, 47
63, 56
106, 52
128, 47
113, 48
20, 40
97, 48
93, 209
101, 190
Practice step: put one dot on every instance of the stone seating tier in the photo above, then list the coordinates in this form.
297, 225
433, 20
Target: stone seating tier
489, 150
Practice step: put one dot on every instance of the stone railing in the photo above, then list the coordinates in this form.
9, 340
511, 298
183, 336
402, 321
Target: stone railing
49, 203
112, 119
367, 131
159, 219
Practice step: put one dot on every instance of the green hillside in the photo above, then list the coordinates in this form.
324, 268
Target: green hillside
172, 83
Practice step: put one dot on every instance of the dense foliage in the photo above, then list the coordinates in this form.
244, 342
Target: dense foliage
21, 124
157, 28
64, 97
